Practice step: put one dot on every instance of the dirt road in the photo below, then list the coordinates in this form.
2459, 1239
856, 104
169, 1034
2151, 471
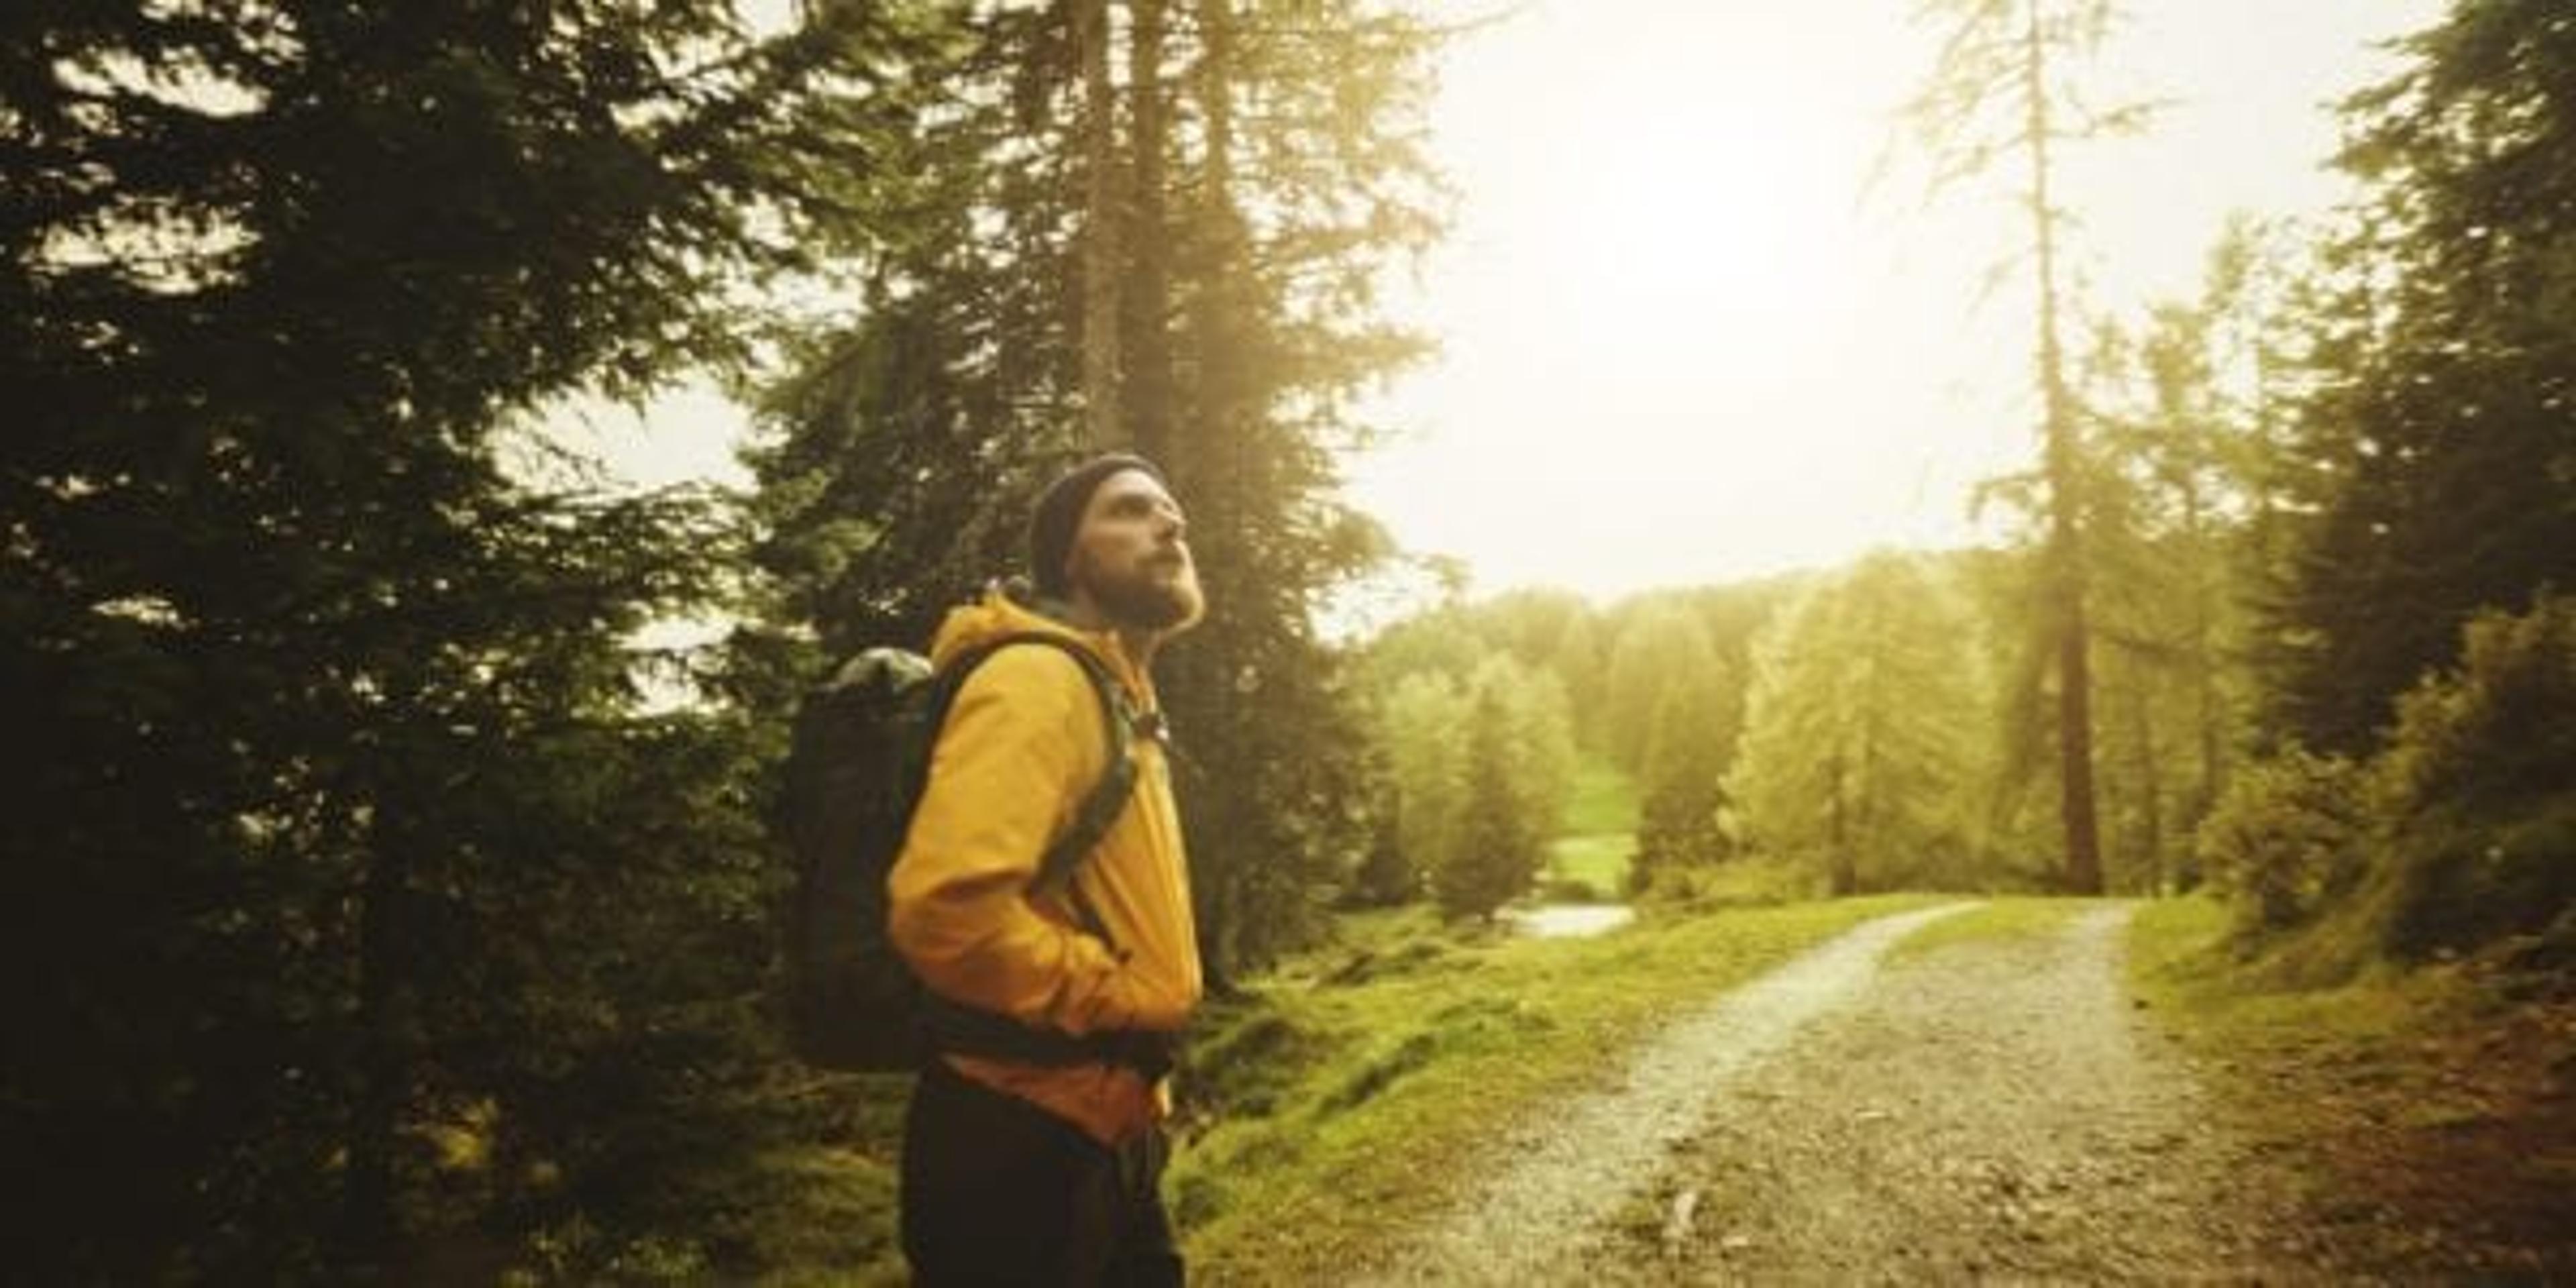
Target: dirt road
1986, 1109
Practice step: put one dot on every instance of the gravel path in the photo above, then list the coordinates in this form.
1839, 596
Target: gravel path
1987, 1109
1573, 1171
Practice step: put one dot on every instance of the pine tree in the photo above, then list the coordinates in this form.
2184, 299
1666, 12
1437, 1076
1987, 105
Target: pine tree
1658, 642
1576, 659
2436, 449
908, 446
348, 829
1999, 92
1857, 754
1687, 757
1426, 763
2182, 519
1498, 851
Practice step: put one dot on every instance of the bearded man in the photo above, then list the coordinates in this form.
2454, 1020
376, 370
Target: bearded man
1048, 1171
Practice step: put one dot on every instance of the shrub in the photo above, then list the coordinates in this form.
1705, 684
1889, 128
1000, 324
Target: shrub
2459, 835
2501, 732
2460, 882
2481, 777
2290, 834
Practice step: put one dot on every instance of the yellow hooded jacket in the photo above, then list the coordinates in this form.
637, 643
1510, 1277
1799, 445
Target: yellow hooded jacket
1022, 747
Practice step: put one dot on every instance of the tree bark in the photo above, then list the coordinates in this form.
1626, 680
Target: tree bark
1103, 423
2065, 563
2207, 711
1146, 349
1216, 396
368, 1223
1844, 873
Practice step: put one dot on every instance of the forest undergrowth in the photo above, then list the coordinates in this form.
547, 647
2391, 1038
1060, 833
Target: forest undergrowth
2421, 1117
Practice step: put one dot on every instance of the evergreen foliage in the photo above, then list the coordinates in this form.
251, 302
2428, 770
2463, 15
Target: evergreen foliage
1859, 732
2438, 451
1500, 840
1435, 728
2180, 411
1689, 749
357, 900
2480, 815
375, 912
2001, 94
1654, 646
2454, 838
1267, 151
2288, 836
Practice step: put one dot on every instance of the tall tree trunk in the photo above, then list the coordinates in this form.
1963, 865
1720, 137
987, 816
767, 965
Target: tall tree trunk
368, 1224
1869, 803
1843, 873
1146, 300
2065, 563
1217, 399
1103, 422
2206, 711
1221, 398
2151, 815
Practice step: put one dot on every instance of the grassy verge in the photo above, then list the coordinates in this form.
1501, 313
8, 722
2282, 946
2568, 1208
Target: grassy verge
2421, 1119
2005, 917
1360, 1092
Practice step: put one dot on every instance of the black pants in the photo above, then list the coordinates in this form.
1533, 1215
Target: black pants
998, 1191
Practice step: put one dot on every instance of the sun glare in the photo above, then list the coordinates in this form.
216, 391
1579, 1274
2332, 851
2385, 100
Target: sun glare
1681, 230
1651, 295
1683, 339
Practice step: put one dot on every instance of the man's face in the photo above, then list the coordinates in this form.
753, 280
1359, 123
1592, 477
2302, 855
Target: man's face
1129, 556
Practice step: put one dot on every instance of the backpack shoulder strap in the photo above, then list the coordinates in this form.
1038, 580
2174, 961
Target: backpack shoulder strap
963, 1029
1108, 797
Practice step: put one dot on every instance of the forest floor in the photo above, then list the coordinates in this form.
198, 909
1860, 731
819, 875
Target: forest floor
1987, 1099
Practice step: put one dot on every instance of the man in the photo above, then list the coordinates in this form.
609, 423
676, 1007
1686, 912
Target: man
1048, 1172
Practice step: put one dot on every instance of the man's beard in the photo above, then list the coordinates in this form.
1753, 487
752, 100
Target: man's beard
1151, 602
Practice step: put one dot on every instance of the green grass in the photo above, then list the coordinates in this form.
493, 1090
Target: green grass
1596, 833
1597, 863
823, 1209
1603, 802
1361, 1092
2008, 917
2419, 1117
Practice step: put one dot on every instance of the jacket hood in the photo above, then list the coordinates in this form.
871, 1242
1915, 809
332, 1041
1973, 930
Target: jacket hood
1005, 611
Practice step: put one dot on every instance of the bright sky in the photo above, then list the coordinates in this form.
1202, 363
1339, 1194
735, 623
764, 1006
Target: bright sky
1681, 343
1681, 347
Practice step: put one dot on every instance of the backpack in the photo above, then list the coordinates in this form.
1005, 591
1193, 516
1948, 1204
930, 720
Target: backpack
855, 771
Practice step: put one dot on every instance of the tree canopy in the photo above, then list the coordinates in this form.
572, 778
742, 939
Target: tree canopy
347, 832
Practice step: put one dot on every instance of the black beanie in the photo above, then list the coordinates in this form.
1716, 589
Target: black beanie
1059, 515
